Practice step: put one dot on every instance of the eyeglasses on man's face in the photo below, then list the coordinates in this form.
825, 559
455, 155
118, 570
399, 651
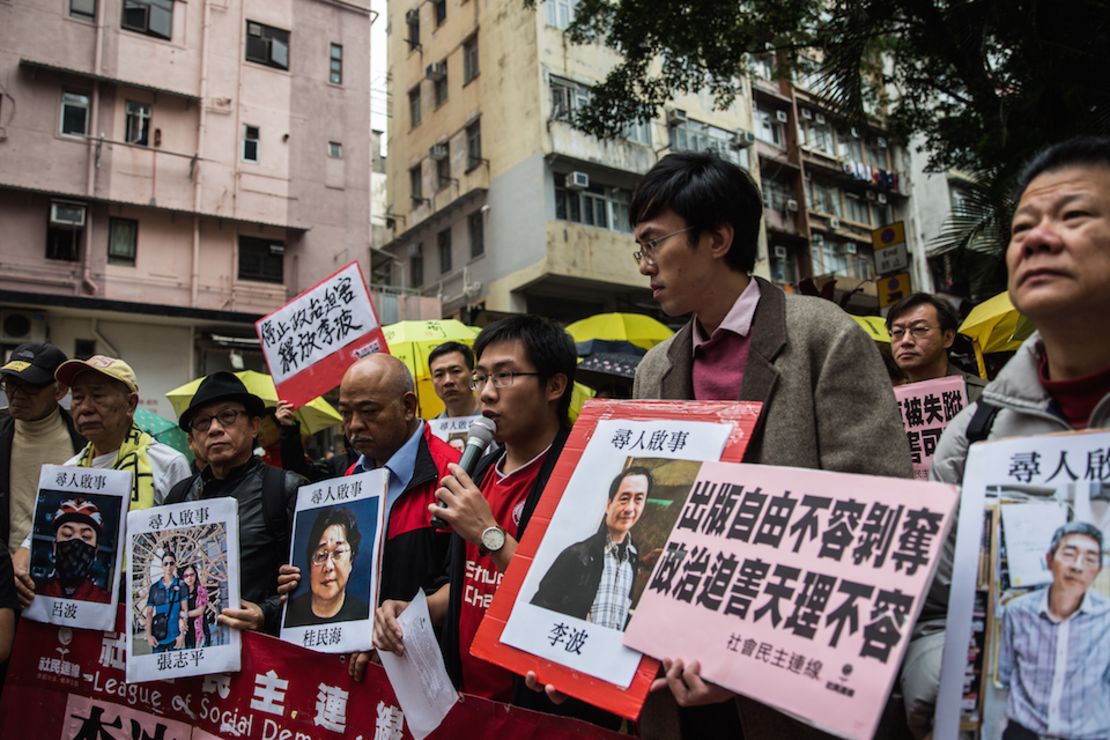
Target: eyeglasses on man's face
648, 249
226, 418
11, 386
501, 379
917, 331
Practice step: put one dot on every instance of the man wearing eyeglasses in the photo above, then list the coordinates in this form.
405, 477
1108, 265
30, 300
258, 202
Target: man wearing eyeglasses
223, 419
922, 329
827, 400
35, 431
451, 365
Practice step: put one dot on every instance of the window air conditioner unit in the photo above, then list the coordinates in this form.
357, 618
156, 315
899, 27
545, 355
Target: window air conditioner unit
849, 248
781, 253
20, 327
438, 151
277, 249
742, 139
882, 143
436, 71
821, 118
412, 16
67, 214
882, 198
870, 195
781, 116
577, 181
675, 116
854, 132
834, 222
806, 113
792, 205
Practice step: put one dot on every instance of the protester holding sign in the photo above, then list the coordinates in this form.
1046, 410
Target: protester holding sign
922, 329
105, 394
1058, 261
524, 376
826, 396
223, 419
377, 400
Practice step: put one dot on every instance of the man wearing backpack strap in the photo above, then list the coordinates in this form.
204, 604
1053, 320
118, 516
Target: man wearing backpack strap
223, 419
1058, 261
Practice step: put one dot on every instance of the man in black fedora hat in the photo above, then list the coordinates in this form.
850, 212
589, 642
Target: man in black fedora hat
223, 419
35, 431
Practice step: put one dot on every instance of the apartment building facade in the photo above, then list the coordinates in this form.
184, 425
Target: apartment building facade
499, 204
170, 171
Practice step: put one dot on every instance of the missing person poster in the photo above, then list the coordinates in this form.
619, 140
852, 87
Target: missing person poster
796, 588
1027, 644
453, 430
336, 543
926, 409
76, 551
311, 341
600, 526
182, 571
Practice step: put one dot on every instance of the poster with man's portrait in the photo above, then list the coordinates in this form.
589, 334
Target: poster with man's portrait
337, 540
182, 571
75, 545
1030, 596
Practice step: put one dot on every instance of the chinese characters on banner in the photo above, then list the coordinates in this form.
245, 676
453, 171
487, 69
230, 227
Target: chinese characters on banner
997, 668
926, 408
169, 632
453, 430
554, 612
797, 588
311, 341
337, 538
69, 683
76, 545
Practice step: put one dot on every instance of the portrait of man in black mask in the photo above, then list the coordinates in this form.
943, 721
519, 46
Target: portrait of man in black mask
78, 526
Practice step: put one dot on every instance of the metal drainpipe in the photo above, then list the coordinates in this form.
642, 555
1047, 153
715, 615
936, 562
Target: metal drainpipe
92, 141
194, 278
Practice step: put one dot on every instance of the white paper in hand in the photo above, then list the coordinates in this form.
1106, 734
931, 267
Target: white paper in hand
419, 677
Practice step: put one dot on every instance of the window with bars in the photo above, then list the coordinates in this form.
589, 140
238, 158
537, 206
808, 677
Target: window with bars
597, 205
262, 260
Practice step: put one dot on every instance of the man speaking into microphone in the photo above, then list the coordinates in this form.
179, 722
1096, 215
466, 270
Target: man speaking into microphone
523, 377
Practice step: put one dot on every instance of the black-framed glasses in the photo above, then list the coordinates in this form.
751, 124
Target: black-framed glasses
647, 249
11, 386
917, 331
226, 418
501, 379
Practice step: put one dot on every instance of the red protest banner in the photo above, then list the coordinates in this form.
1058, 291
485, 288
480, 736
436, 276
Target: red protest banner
653, 434
311, 341
69, 683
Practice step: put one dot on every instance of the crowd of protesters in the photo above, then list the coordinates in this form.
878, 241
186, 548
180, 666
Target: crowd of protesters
696, 220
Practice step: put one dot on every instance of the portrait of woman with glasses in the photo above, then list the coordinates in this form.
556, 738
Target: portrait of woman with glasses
331, 551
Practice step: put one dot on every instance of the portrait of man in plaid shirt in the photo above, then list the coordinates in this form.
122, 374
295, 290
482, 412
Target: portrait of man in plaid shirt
593, 579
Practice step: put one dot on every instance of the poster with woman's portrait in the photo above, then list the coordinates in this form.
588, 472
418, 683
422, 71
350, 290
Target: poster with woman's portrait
75, 546
337, 539
182, 571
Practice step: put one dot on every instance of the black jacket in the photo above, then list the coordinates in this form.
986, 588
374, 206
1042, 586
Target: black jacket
293, 456
262, 550
7, 435
570, 584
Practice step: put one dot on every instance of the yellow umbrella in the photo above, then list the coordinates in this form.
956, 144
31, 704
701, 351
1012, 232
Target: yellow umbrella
996, 325
875, 326
315, 415
641, 330
412, 341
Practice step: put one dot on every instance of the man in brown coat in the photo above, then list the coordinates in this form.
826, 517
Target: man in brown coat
827, 400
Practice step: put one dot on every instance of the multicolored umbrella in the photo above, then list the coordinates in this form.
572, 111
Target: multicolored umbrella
641, 330
314, 416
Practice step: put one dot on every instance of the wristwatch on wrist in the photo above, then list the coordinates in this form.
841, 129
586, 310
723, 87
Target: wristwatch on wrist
493, 539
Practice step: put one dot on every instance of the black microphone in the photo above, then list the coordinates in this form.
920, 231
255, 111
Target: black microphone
478, 438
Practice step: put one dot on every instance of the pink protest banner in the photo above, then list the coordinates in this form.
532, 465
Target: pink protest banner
926, 409
311, 341
797, 588
69, 683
